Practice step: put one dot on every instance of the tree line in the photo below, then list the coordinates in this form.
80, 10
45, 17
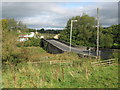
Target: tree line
49, 31
84, 33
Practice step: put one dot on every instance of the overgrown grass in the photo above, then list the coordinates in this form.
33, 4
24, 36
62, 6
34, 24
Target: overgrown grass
37, 54
44, 75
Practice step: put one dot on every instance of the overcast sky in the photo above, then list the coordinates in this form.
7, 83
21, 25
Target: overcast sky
55, 15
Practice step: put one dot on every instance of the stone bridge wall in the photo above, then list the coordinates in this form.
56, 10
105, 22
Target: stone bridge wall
50, 48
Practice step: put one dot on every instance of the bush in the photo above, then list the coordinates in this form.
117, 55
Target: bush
10, 52
31, 42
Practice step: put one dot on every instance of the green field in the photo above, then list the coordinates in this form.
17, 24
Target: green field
78, 74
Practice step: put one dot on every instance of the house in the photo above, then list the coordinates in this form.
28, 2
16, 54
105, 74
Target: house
26, 37
57, 36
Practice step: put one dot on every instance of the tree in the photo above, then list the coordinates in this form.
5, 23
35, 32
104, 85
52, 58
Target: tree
83, 30
12, 24
4, 23
10, 51
84, 33
106, 41
114, 33
21, 26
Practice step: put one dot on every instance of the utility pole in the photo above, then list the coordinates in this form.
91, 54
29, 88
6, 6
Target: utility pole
97, 52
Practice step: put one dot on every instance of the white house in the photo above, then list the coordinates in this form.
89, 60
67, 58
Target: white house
26, 37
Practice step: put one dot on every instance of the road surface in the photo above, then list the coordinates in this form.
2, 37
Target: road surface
65, 47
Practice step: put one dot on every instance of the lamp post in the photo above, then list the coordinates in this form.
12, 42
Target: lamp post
71, 32
97, 52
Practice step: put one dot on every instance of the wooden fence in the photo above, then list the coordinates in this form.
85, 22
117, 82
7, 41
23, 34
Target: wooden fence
54, 62
65, 62
105, 62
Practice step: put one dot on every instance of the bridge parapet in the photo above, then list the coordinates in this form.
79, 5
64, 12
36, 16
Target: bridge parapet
49, 47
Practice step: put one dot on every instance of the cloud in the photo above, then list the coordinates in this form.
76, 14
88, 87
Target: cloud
55, 15
60, 0
108, 12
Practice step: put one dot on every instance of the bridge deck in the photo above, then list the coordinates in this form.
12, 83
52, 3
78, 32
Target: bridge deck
65, 47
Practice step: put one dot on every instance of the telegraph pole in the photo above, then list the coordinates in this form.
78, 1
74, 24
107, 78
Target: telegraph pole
97, 52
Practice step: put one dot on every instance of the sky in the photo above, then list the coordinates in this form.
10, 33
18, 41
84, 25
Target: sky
54, 15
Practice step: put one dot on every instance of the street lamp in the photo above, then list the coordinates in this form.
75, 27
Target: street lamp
97, 52
71, 32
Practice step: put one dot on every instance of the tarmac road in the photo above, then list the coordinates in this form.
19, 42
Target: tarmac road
65, 47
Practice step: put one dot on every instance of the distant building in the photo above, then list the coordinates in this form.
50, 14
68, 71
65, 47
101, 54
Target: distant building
18, 31
26, 37
57, 36
42, 37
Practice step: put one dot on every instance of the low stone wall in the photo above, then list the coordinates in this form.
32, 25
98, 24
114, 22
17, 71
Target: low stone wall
50, 48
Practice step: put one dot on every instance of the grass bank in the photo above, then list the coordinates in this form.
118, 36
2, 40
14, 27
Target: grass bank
45, 75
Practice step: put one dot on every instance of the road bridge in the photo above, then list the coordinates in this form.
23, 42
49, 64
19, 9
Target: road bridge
54, 46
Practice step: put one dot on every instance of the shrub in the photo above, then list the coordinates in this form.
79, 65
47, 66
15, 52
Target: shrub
10, 52
31, 42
